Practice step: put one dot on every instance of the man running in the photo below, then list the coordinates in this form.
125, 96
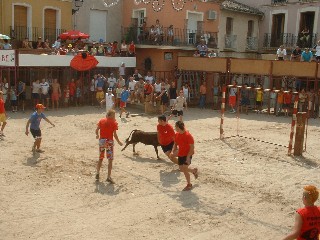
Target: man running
109, 100
184, 148
108, 129
34, 123
166, 136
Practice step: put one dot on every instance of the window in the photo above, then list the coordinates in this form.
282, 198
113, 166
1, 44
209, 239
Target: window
250, 28
229, 26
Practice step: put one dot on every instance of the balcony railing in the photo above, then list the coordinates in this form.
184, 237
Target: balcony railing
230, 41
252, 43
21, 32
169, 37
278, 2
289, 40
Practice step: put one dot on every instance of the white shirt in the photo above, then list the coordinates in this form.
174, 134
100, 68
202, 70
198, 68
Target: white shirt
5, 88
112, 82
44, 87
132, 84
149, 78
35, 87
180, 101
122, 71
93, 84
157, 87
109, 100
281, 53
318, 50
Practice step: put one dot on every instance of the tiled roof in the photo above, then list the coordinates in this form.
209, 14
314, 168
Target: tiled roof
240, 7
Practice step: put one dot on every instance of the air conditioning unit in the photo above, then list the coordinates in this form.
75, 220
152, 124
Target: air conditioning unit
212, 15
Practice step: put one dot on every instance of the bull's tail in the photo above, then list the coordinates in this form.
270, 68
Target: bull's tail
131, 134
127, 140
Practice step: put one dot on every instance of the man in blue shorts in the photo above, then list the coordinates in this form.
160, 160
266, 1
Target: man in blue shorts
34, 123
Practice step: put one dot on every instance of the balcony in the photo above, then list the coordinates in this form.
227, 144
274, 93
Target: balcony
289, 40
279, 2
21, 32
252, 44
230, 42
169, 37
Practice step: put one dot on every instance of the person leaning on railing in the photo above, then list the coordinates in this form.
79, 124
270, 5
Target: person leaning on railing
26, 44
296, 54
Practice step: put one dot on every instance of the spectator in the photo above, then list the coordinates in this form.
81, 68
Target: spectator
22, 94
46, 44
303, 96
317, 48
122, 69
6, 45
137, 75
121, 82
72, 89
212, 54
131, 88
56, 93
70, 50
172, 94
259, 99
44, 93
39, 43
101, 51
35, 92
306, 55
63, 50
305, 36
157, 91
4, 87
112, 81
79, 43
273, 97
132, 50
281, 53
148, 90
202, 48
66, 96
123, 101
114, 49
139, 90
307, 224
26, 44
13, 99
152, 34
186, 92
164, 99
296, 54
57, 44
93, 88
109, 100
170, 33
287, 98
149, 78
245, 100
280, 98
123, 49
93, 50
203, 93
233, 96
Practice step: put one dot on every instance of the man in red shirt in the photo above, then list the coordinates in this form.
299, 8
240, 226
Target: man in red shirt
3, 114
307, 219
108, 129
166, 137
184, 148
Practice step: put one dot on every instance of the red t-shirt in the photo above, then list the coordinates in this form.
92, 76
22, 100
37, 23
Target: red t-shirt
287, 97
107, 127
166, 134
2, 110
72, 88
132, 48
183, 141
310, 228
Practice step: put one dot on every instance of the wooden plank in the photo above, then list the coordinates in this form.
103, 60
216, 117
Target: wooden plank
202, 64
250, 66
298, 69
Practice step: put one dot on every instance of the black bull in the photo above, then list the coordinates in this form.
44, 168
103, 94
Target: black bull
147, 138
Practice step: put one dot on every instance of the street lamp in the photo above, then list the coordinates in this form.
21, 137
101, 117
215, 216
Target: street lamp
77, 5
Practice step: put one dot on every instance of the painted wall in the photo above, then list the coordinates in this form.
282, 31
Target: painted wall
112, 26
37, 11
240, 28
292, 11
169, 16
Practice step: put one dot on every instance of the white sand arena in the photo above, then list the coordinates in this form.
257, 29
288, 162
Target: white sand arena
246, 189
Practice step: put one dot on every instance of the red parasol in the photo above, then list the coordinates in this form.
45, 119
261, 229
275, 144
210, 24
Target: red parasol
73, 34
83, 62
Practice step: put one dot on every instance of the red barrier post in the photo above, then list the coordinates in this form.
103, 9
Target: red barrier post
294, 119
223, 105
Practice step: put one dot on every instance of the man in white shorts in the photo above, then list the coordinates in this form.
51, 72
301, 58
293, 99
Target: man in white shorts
44, 86
109, 100
131, 88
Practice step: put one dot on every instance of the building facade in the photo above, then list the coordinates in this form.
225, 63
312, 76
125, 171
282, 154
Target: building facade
34, 18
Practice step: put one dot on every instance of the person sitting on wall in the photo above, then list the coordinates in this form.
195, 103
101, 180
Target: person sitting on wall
305, 36
202, 48
281, 53
39, 43
26, 43
296, 54
132, 50
306, 55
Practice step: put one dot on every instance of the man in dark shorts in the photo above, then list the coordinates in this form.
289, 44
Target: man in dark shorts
34, 122
184, 148
166, 136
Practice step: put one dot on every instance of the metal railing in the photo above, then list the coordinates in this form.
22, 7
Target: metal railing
21, 32
230, 41
289, 40
168, 36
252, 43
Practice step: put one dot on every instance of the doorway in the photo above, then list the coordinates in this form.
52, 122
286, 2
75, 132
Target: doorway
192, 26
305, 36
277, 33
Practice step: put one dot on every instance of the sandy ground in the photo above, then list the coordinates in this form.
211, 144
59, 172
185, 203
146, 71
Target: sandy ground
246, 189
